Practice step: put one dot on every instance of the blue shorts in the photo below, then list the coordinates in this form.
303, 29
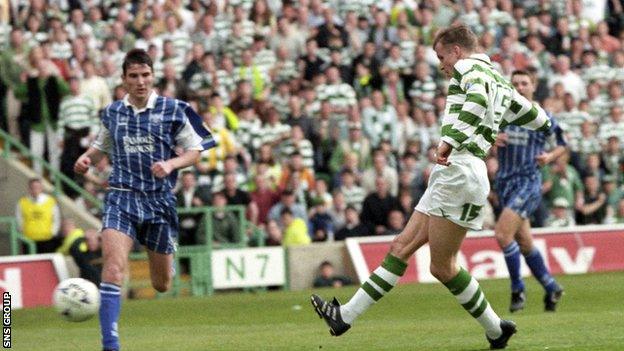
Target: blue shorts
150, 218
521, 194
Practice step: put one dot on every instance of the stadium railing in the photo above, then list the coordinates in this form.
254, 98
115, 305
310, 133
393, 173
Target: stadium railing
10, 144
199, 257
15, 237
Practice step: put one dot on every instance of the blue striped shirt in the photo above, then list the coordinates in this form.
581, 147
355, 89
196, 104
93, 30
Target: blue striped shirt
517, 157
136, 139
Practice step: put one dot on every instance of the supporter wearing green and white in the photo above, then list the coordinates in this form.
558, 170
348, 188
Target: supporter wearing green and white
571, 118
341, 96
298, 143
181, 39
614, 126
423, 88
203, 82
380, 121
77, 126
206, 34
562, 181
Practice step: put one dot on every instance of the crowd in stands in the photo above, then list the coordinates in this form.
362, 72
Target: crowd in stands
326, 112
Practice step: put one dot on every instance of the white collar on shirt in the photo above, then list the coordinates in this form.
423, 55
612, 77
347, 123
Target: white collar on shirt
39, 199
481, 57
151, 102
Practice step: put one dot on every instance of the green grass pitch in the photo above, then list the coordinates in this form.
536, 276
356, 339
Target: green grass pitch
411, 317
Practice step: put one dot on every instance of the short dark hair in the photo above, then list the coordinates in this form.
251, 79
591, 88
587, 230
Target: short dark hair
34, 180
137, 57
459, 35
522, 72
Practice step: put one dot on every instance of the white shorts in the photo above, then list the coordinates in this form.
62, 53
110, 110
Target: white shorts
457, 192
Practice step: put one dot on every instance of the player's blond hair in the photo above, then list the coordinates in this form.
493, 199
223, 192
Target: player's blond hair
459, 35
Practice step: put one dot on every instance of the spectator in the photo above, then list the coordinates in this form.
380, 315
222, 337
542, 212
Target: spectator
619, 214
396, 222
77, 126
377, 206
274, 234
264, 197
298, 169
38, 217
560, 214
287, 200
89, 206
561, 180
189, 196
321, 222
236, 196
94, 86
69, 233
87, 253
355, 143
295, 230
41, 92
225, 225
571, 81
594, 207
352, 226
354, 195
328, 278
380, 121
380, 169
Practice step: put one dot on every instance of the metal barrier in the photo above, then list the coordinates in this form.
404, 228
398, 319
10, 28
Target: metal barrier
15, 237
57, 178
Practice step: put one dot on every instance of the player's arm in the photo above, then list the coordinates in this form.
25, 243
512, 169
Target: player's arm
189, 137
524, 113
557, 138
162, 169
98, 149
462, 120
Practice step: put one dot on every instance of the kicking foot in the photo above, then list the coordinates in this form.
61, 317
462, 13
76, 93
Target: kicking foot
509, 329
552, 298
330, 312
518, 298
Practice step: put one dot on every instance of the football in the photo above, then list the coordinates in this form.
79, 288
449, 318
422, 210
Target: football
76, 299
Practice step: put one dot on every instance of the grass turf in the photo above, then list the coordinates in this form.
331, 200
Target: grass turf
411, 317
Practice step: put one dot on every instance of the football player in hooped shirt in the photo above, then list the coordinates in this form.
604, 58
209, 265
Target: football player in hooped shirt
140, 134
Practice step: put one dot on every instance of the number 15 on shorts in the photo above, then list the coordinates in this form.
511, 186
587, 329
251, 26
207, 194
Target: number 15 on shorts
470, 212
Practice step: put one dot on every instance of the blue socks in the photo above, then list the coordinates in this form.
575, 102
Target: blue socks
110, 306
535, 261
512, 258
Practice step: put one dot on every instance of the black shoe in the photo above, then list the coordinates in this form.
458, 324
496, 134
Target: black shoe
330, 312
509, 329
518, 298
551, 299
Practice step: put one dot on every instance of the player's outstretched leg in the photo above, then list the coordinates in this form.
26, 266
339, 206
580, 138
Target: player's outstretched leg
384, 278
330, 312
